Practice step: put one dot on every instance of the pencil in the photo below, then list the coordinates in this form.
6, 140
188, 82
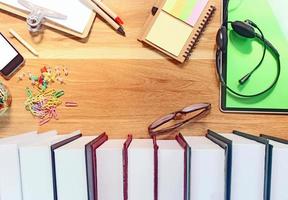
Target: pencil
112, 14
106, 17
23, 42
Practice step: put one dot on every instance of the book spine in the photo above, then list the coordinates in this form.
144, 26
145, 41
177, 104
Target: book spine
156, 148
199, 31
226, 144
91, 165
182, 142
52, 148
125, 166
100, 140
268, 171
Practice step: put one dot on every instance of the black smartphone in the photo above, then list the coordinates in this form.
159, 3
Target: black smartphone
10, 58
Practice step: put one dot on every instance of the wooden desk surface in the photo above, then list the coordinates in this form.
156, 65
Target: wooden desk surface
122, 86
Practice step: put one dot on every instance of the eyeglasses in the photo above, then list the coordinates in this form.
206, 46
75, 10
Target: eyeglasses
154, 130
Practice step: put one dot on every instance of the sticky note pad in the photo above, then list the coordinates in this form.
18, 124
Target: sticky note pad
188, 11
169, 33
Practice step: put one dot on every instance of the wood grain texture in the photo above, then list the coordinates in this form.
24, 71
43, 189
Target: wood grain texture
122, 86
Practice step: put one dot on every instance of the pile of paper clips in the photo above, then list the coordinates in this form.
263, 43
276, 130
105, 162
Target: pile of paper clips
5, 98
43, 104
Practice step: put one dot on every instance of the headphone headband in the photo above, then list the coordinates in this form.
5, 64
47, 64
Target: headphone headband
245, 29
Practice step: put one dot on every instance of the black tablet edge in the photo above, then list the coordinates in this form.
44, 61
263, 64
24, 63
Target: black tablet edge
223, 91
226, 144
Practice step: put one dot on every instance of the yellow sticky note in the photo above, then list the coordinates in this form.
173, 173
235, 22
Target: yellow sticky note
169, 33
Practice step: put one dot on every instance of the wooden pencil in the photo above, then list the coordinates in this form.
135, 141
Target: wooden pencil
23, 42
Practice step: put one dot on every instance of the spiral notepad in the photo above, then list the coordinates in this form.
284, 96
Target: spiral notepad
175, 27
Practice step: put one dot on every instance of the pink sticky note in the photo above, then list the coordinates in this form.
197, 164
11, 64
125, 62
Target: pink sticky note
200, 5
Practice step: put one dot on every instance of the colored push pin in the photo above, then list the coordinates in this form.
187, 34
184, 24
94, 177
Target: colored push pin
40, 79
33, 77
65, 71
21, 76
43, 70
59, 79
33, 82
57, 71
29, 75
52, 77
49, 69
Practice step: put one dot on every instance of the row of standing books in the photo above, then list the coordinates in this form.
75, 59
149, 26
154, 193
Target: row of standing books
217, 166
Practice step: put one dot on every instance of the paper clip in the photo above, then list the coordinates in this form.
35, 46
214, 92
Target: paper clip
28, 92
71, 104
59, 93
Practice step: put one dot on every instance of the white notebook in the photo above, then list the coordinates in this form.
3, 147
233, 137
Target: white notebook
248, 167
207, 169
36, 168
110, 170
279, 176
141, 169
170, 170
78, 14
71, 170
10, 181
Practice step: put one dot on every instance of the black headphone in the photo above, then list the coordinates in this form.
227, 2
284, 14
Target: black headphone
245, 29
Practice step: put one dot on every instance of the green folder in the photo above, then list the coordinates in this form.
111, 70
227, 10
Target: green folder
243, 55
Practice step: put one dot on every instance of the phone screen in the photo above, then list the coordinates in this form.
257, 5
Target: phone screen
7, 52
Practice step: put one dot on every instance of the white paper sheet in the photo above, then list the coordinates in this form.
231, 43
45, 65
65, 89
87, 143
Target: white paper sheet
77, 13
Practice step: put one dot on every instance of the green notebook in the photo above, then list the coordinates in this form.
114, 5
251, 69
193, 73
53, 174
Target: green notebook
244, 54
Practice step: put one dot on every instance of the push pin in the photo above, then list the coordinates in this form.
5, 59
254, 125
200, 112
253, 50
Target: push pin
60, 80
21, 76
57, 71
29, 75
33, 82
43, 70
49, 69
65, 71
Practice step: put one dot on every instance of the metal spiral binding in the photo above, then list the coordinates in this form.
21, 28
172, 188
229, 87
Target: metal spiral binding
199, 31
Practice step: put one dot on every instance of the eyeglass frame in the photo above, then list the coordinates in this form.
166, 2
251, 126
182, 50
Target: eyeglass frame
205, 107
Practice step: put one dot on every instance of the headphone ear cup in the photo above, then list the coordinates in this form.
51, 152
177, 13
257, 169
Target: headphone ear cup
221, 39
243, 29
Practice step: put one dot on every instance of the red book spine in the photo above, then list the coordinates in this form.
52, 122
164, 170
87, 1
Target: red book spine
91, 163
101, 139
125, 166
180, 139
156, 147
